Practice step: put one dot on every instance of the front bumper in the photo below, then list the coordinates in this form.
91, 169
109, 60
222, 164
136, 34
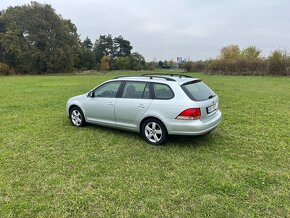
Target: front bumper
193, 127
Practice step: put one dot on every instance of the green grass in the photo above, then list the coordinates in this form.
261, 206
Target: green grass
50, 168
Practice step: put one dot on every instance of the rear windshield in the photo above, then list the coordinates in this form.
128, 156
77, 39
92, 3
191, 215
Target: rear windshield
198, 91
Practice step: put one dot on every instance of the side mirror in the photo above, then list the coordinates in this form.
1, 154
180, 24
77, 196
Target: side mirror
90, 94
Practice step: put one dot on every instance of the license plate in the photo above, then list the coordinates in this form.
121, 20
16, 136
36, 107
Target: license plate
212, 108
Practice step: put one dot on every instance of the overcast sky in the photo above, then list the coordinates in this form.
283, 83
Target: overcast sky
166, 29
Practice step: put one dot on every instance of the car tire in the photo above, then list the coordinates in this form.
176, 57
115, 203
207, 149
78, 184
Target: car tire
154, 132
77, 117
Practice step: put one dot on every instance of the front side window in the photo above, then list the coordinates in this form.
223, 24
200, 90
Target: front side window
162, 91
108, 90
136, 90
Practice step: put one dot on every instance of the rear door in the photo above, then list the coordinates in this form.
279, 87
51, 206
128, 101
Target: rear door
199, 92
132, 104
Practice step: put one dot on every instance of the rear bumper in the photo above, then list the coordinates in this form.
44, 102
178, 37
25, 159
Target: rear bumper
192, 127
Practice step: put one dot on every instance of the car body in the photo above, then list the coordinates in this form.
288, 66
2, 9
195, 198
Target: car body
154, 105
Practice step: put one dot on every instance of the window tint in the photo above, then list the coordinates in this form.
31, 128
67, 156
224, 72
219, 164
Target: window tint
135, 90
108, 90
162, 91
198, 91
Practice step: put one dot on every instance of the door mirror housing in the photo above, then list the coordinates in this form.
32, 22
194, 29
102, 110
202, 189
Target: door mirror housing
91, 94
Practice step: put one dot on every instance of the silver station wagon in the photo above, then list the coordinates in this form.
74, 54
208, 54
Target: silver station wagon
154, 105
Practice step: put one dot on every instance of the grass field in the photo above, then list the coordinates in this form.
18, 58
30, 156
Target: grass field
50, 168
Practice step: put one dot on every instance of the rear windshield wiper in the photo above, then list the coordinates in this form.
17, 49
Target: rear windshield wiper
211, 96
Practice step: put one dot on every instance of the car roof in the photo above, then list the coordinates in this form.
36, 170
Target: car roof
171, 78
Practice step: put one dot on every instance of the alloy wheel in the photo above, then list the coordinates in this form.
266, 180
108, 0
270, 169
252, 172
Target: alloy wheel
153, 132
76, 117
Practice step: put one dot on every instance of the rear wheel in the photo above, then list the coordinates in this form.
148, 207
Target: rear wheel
154, 131
77, 117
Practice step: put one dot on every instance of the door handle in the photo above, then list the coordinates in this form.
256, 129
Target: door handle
111, 104
141, 106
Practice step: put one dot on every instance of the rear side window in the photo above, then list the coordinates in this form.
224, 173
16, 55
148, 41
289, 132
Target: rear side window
198, 91
162, 91
136, 90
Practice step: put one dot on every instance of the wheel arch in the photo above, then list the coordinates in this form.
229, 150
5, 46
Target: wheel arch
73, 105
150, 117
76, 105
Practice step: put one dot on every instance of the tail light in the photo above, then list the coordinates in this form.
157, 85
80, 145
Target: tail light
189, 114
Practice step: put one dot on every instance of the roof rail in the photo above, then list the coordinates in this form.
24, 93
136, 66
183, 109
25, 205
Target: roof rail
150, 76
172, 74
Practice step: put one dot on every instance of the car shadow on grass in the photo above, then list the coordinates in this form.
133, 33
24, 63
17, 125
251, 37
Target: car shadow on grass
173, 140
191, 141
115, 131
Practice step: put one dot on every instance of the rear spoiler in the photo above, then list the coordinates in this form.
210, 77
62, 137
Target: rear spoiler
190, 82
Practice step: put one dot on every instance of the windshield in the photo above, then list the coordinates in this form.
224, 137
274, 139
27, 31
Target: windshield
198, 91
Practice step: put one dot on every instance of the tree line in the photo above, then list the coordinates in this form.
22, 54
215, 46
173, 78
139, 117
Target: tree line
34, 39
235, 61
109, 53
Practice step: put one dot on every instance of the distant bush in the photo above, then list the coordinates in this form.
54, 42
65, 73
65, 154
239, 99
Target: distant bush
277, 63
137, 61
234, 61
121, 63
166, 64
197, 66
237, 67
6, 70
151, 66
186, 66
134, 61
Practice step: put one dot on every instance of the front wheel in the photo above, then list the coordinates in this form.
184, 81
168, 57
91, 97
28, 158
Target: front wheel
77, 117
154, 131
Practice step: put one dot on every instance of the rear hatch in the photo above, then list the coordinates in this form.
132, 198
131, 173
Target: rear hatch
199, 92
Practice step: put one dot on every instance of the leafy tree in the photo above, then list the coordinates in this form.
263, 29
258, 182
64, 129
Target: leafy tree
103, 47
166, 65
87, 43
137, 61
121, 63
121, 47
277, 62
33, 38
231, 52
114, 48
87, 59
251, 53
171, 64
105, 63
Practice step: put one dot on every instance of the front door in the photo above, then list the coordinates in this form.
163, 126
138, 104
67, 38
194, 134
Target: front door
100, 107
